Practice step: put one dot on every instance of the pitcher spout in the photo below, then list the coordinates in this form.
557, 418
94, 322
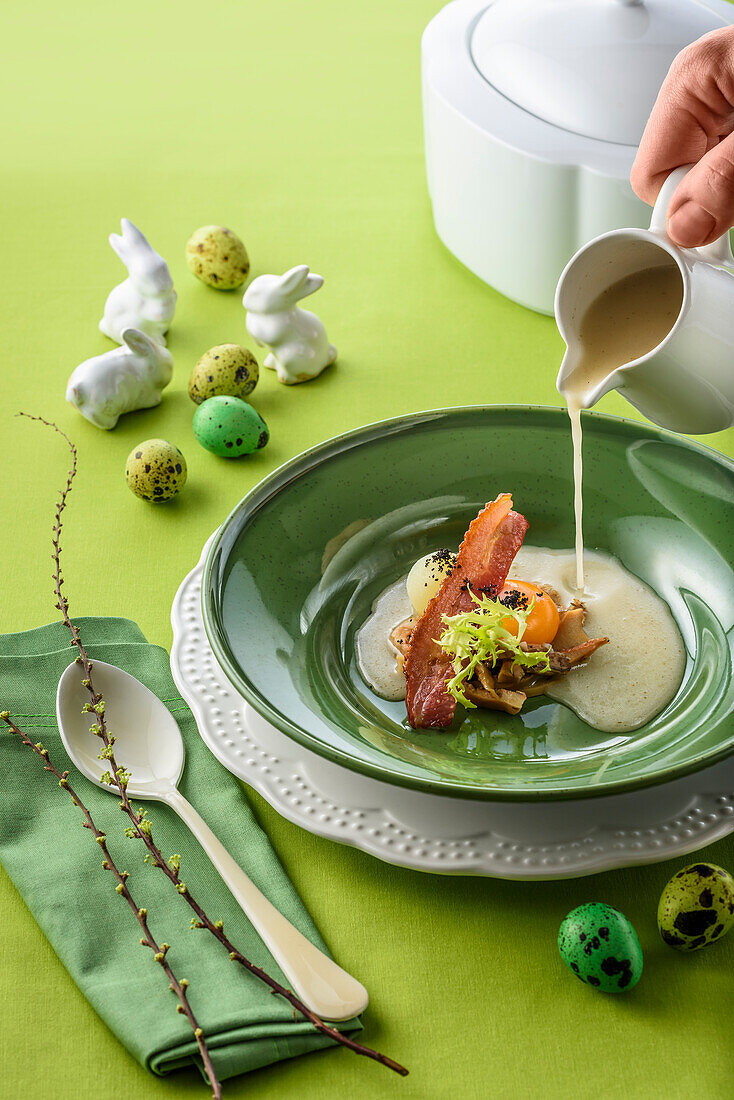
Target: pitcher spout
575, 386
568, 366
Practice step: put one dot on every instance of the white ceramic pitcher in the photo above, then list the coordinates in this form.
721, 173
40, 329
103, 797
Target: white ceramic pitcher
686, 383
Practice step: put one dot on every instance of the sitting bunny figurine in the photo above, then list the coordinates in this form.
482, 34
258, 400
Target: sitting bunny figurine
299, 349
126, 378
146, 300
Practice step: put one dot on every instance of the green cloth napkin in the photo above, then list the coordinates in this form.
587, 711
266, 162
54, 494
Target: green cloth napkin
56, 866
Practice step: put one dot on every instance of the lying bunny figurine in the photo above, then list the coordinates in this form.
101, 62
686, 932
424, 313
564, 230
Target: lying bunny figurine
121, 380
146, 300
299, 349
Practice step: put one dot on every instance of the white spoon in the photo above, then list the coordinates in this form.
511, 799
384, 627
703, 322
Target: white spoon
149, 744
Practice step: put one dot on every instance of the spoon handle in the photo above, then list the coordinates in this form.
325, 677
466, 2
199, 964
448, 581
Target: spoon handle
322, 985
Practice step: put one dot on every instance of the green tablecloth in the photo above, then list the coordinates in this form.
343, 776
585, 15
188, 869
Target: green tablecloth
298, 125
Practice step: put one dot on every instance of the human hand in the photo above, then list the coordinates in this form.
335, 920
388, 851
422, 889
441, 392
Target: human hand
692, 122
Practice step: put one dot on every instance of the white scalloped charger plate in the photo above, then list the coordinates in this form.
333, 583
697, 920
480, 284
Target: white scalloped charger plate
429, 832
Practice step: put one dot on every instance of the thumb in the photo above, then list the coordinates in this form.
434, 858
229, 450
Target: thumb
702, 207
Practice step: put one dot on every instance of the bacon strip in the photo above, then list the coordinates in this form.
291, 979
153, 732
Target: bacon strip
483, 562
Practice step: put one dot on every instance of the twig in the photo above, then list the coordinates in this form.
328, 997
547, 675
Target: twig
141, 826
160, 951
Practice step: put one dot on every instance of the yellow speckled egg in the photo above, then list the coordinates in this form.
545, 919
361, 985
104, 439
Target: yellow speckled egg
218, 257
225, 370
155, 470
696, 907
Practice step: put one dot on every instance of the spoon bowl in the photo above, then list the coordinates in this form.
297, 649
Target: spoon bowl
149, 745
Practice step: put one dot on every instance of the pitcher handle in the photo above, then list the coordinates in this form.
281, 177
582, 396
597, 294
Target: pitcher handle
718, 252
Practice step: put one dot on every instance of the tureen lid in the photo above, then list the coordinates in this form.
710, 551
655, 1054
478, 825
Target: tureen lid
592, 67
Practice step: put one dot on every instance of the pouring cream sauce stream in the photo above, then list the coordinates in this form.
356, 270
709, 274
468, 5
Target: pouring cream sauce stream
625, 322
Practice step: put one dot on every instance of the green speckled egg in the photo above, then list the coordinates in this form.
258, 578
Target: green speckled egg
601, 947
229, 427
218, 257
155, 470
226, 370
696, 907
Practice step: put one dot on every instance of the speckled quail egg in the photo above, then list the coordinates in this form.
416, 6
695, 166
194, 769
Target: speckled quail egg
600, 946
226, 369
217, 257
229, 427
696, 907
427, 576
155, 470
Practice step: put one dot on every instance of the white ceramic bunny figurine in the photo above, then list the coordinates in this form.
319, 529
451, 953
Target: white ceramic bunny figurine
146, 300
126, 378
299, 348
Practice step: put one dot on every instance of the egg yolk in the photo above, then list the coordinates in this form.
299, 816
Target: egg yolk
542, 623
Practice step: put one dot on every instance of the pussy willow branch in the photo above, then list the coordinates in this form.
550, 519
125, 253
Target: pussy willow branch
160, 951
140, 826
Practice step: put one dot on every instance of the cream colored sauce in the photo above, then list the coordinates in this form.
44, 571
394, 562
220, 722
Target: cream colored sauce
375, 653
625, 683
626, 321
635, 676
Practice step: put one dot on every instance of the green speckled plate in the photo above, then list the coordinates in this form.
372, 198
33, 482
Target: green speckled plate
293, 572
